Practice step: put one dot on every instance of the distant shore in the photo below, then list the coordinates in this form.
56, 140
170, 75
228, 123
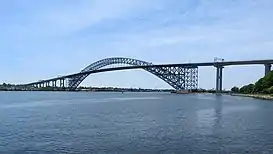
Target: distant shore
256, 96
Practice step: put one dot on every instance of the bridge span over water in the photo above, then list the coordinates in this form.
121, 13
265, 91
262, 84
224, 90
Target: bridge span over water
179, 76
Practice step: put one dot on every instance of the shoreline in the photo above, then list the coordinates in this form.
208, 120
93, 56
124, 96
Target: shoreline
256, 96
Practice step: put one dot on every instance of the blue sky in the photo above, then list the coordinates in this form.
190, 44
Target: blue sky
47, 38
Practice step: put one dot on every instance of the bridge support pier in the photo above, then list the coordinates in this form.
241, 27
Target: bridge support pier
62, 85
267, 68
219, 79
54, 84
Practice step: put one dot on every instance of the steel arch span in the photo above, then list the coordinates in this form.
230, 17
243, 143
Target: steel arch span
178, 77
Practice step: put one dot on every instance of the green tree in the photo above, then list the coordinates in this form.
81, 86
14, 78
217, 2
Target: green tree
259, 85
247, 89
235, 89
269, 90
264, 83
268, 80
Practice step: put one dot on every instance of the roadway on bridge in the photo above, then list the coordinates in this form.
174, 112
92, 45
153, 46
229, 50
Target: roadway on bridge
226, 63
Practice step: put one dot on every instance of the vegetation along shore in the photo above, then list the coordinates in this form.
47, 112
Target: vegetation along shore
262, 89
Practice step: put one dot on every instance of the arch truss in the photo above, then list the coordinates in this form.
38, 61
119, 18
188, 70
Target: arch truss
179, 77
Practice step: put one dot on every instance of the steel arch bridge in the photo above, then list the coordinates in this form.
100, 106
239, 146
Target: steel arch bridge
179, 77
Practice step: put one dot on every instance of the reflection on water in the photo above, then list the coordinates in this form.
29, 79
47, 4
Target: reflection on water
210, 119
44, 103
133, 123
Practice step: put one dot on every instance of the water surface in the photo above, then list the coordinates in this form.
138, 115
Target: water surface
60, 122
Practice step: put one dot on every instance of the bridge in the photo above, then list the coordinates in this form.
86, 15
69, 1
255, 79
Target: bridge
179, 76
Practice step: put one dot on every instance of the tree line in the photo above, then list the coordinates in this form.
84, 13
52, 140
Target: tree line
263, 85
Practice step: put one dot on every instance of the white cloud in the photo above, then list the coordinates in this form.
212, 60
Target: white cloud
232, 37
72, 17
229, 29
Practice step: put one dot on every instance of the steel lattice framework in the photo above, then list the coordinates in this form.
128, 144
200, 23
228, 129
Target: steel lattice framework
179, 77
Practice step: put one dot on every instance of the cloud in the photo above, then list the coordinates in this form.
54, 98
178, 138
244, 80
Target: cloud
73, 16
157, 31
242, 34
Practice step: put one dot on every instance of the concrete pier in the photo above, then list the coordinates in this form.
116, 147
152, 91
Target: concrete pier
267, 68
219, 79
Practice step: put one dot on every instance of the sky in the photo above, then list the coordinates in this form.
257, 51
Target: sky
49, 38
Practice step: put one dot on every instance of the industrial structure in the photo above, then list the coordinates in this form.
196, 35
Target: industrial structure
179, 76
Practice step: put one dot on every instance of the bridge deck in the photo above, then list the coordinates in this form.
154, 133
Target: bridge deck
226, 63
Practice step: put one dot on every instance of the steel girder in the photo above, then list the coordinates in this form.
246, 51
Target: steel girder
180, 78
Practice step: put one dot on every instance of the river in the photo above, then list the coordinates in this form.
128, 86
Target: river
129, 123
